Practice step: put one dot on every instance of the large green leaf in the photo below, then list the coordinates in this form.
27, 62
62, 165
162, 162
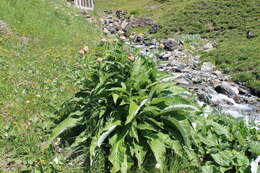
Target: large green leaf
134, 109
118, 156
139, 152
98, 140
223, 158
254, 147
207, 169
184, 127
66, 124
158, 148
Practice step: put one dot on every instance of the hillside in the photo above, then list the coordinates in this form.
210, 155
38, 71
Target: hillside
39, 44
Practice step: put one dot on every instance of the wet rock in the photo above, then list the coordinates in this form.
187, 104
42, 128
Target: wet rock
182, 81
207, 66
179, 68
165, 55
220, 99
227, 89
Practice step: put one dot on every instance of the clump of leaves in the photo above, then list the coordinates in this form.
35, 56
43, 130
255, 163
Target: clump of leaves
137, 116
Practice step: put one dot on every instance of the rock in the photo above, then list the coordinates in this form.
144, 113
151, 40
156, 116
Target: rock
138, 38
171, 44
227, 89
218, 99
141, 22
124, 25
112, 30
108, 12
120, 14
165, 56
207, 66
182, 81
154, 29
179, 68
208, 46
109, 17
152, 47
154, 42
122, 38
106, 31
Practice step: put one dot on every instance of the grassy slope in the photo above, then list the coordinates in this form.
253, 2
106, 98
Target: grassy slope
36, 74
226, 20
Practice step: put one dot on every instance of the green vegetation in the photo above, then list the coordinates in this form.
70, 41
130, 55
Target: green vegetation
227, 21
38, 68
125, 114
134, 119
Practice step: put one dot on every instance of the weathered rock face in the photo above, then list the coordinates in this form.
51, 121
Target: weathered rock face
211, 86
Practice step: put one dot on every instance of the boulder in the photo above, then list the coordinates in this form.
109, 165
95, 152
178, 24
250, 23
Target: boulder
227, 89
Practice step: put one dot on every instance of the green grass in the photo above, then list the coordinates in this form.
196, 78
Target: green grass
36, 75
226, 21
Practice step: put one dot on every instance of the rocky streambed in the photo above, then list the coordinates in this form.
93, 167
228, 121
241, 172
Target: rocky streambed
210, 85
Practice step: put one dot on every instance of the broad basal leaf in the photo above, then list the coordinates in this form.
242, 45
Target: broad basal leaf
103, 134
118, 156
159, 150
66, 124
134, 109
183, 126
139, 152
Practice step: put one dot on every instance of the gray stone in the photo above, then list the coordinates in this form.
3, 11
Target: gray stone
182, 81
124, 24
165, 56
207, 66
227, 89
218, 99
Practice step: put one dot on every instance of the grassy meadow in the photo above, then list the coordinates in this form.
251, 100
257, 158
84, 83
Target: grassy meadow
38, 69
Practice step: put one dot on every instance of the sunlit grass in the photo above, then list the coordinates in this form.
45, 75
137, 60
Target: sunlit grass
38, 69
